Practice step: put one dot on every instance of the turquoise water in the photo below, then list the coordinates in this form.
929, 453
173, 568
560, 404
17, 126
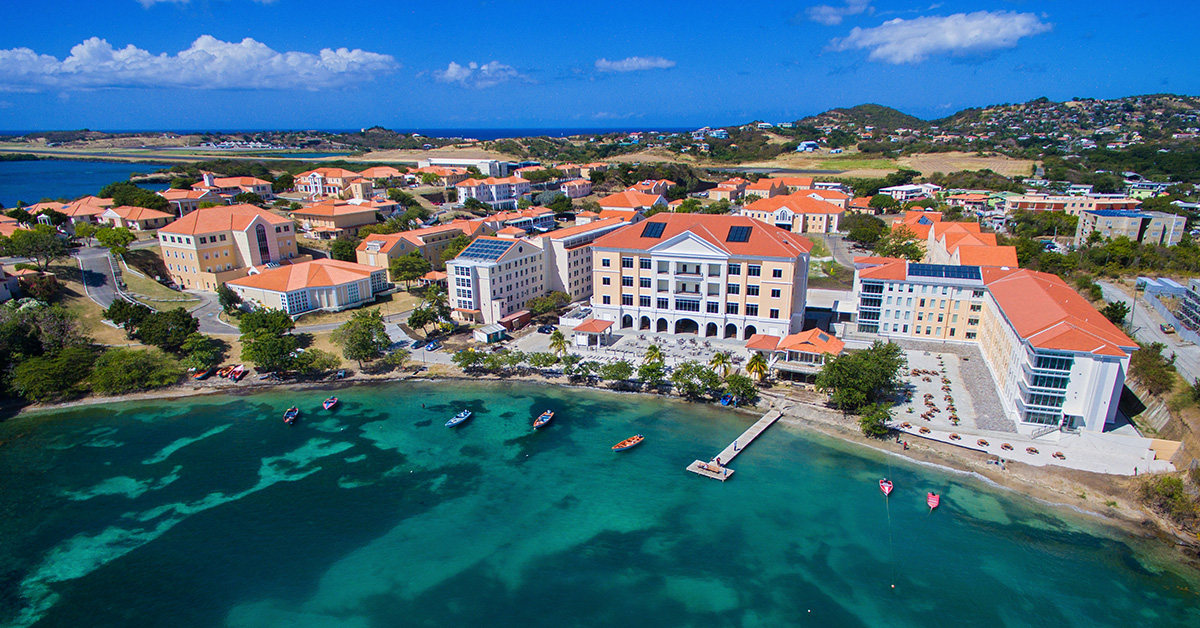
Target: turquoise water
211, 512
31, 181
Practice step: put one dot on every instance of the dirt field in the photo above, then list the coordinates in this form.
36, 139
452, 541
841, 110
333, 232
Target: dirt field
953, 162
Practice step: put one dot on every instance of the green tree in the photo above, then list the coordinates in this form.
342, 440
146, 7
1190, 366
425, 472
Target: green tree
124, 193
127, 315
40, 244
542, 359
884, 202
409, 268
283, 183
228, 299
363, 338
859, 379
863, 228
652, 374
343, 249
274, 322
421, 318
758, 367
394, 360
1155, 371
248, 198
437, 302
182, 183
695, 380
468, 359
455, 246
201, 352
742, 388
900, 242
86, 231
873, 421
558, 342
653, 354
476, 205
548, 302
268, 351
722, 363
119, 371
54, 376
167, 330
1116, 311
315, 362
429, 178
617, 372
115, 239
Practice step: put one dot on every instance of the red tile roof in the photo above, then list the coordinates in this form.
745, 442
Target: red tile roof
799, 203
632, 200
763, 241
315, 274
138, 213
222, 218
593, 326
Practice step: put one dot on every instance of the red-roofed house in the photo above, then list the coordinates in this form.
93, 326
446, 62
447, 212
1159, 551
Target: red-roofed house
380, 249
653, 186
795, 184
187, 201
632, 201
332, 219
963, 244
798, 213
1055, 360
729, 190
324, 284
862, 205
804, 351
232, 186
712, 275
833, 197
210, 246
576, 188
499, 193
135, 218
333, 182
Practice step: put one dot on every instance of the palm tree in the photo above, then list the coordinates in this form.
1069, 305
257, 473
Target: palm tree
558, 343
757, 366
721, 362
653, 354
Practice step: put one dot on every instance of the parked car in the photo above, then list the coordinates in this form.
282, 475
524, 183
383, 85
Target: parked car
418, 344
433, 346
1167, 328
546, 329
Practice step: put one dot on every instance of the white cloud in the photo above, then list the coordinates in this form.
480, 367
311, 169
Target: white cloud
477, 76
634, 64
832, 16
208, 64
911, 41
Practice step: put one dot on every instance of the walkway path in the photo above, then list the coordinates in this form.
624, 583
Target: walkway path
721, 471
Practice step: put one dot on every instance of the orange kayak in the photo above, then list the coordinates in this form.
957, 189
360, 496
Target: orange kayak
632, 441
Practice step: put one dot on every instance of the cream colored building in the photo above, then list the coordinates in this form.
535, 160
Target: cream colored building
324, 284
332, 219
568, 255
210, 246
380, 249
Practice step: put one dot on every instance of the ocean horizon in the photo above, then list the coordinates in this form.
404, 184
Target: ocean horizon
482, 133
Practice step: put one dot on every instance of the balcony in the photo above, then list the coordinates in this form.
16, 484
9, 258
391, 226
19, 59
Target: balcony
685, 291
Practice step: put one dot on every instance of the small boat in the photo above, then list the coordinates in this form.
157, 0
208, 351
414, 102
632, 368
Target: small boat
629, 443
542, 420
726, 399
237, 373
459, 418
933, 500
329, 403
885, 486
291, 414
204, 374
225, 371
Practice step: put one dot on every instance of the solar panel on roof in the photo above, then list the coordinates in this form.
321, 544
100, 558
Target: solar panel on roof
485, 250
944, 271
739, 234
653, 229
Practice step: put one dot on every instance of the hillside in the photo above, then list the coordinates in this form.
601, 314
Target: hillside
873, 115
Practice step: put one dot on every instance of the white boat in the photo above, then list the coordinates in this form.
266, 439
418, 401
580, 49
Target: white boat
459, 418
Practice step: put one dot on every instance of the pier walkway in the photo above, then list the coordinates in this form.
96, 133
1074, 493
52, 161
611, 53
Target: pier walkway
723, 472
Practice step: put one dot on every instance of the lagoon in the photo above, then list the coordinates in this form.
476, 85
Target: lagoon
209, 511
31, 181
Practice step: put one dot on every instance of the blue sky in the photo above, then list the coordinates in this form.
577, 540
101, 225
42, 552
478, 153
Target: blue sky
185, 64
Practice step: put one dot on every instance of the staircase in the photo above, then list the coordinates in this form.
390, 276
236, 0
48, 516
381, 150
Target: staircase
1042, 431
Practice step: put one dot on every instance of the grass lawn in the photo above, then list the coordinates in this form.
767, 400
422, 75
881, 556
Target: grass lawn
154, 294
87, 311
830, 276
856, 163
389, 304
819, 249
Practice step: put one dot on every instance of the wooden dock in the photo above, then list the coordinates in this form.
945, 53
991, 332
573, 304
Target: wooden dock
723, 472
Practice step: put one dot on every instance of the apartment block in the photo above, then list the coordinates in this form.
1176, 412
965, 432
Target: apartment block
710, 275
798, 213
568, 255
1055, 360
1074, 205
324, 284
498, 193
495, 277
210, 246
1145, 227
380, 249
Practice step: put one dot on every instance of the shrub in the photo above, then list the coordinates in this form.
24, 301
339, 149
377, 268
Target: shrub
119, 371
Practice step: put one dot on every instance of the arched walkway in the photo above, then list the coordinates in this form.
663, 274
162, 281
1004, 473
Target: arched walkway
687, 326
731, 331
662, 324
644, 323
750, 331
710, 330
626, 321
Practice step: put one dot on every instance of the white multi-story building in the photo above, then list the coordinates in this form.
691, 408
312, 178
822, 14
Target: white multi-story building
569, 256
711, 275
1055, 360
499, 193
495, 277
487, 167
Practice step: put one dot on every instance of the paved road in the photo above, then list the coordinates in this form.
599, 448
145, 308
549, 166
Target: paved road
840, 249
98, 279
1146, 329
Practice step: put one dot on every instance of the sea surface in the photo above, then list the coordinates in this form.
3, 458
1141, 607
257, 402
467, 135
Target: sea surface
31, 181
211, 512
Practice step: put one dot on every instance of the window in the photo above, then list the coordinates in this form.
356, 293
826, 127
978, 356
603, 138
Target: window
774, 313
605, 262
644, 263
954, 318
644, 282
775, 293
606, 281
627, 281
904, 329
607, 300
976, 307
940, 317
777, 273
712, 307
922, 303
203, 240
731, 308
735, 269
687, 305
733, 288
751, 309
753, 270
626, 299
643, 301
663, 303
626, 262
978, 294
1053, 363
970, 335
752, 291
927, 332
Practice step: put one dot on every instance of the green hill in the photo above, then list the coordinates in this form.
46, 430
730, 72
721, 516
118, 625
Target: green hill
874, 115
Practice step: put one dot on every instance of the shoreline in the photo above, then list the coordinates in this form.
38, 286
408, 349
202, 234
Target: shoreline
1106, 498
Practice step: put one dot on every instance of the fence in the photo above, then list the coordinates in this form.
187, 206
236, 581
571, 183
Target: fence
1183, 332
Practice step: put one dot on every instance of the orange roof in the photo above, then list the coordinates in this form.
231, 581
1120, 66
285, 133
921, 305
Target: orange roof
828, 194
37, 208
624, 215
380, 172
320, 273
434, 275
474, 183
413, 237
762, 342
969, 197
331, 173
800, 203
889, 268
138, 213
862, 202
593, 326
176, 195
441, 171
918, 222
631, 199
9, 226
587, 214
576, 183
763, 240
813, 341
222, 218
802, 182
764, 185
1050, 315
988, 256
331, 208
87, 206
511, 231
559, 234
